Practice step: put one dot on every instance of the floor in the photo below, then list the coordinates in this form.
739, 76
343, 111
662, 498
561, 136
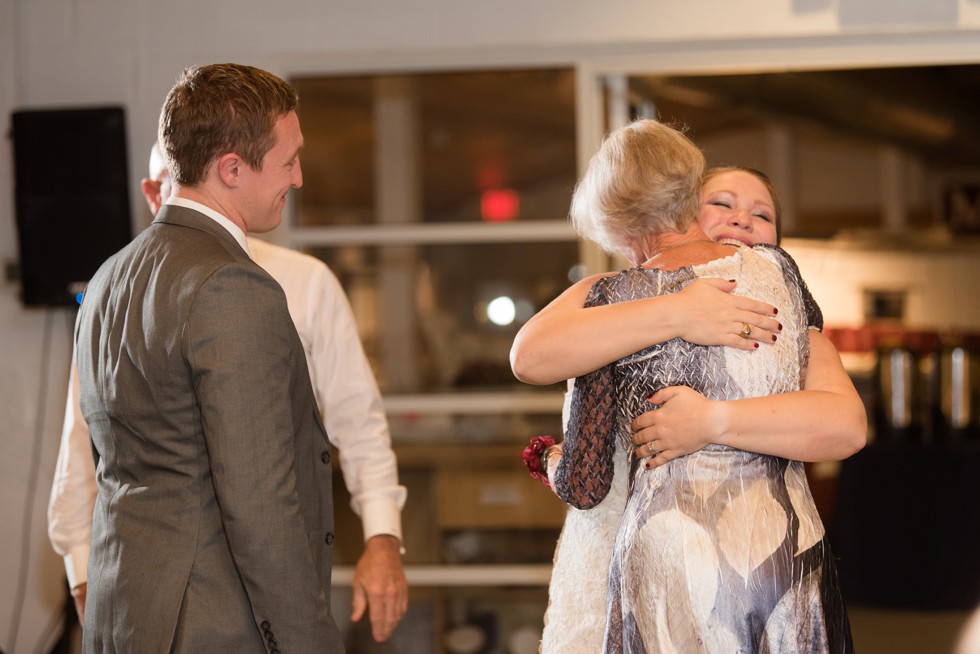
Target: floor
878, 631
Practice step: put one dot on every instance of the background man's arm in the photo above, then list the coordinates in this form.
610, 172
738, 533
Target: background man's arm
73, 497
355, 421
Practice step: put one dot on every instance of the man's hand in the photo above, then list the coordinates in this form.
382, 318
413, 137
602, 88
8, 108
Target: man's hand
379, 586
78, 594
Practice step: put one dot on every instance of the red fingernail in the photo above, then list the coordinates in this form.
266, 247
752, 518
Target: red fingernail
779, 326
775, 311
732, 281
647, 465
773, 338
756, 344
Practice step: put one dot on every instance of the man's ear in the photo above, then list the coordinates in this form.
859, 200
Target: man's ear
151, 191
229, 168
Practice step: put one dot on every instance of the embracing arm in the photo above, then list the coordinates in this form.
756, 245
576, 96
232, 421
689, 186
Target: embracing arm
826, 421
549, 347
582, 472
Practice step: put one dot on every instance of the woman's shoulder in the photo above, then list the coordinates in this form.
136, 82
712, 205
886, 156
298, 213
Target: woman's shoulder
614, 277
771, 252
784, 262
603, 286
778, 256
761, 256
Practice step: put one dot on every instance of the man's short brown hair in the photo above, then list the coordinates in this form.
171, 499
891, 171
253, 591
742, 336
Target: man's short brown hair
217, 109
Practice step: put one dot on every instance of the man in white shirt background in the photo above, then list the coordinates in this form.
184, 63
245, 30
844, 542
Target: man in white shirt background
349, 401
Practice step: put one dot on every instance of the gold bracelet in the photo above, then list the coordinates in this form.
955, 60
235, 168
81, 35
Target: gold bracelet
546, 456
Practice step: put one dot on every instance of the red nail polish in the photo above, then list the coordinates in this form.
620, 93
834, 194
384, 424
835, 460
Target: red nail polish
779, 326
732, 281
773, 338
775, 311
756, 344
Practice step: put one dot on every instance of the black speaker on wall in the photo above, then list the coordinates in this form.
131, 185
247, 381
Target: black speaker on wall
71, 190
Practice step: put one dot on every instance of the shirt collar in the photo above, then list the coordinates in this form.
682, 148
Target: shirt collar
232, 228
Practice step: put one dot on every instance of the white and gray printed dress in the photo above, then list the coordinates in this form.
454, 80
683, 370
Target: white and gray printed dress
720, 551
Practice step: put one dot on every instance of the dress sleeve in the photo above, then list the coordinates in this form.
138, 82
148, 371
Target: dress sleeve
585, 471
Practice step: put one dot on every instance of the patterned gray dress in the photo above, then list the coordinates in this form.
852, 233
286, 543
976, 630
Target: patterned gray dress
721, 551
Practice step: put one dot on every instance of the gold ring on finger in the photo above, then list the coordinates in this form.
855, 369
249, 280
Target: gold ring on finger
746, 330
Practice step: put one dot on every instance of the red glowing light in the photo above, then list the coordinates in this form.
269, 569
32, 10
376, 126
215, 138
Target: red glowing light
499, 205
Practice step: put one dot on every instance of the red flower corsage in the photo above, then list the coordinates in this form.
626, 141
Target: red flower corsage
533, 456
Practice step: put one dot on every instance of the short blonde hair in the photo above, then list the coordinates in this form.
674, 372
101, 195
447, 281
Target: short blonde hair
645, 179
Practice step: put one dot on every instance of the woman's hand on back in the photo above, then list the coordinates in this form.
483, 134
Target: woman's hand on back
708, 313
681, 425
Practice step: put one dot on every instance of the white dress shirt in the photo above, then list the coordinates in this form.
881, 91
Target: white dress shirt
345, 390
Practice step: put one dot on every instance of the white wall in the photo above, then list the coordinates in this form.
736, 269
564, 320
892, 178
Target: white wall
938, 282
76, 52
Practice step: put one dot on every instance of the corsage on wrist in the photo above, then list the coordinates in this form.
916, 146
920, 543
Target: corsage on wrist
535, 457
